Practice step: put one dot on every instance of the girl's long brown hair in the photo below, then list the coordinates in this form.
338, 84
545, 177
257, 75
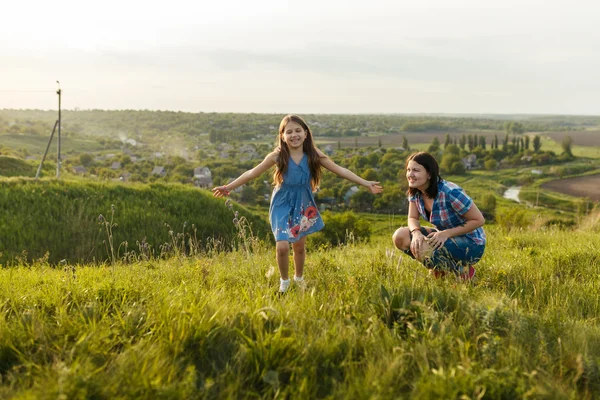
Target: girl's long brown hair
314, 164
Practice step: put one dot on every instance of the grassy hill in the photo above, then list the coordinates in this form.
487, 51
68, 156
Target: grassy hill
63, 219
13, 166
372, 324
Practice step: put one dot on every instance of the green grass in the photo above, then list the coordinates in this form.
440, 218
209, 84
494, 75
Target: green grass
60, 219
37, 144
372, 324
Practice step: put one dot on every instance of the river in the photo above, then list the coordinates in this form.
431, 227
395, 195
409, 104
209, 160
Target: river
512, 193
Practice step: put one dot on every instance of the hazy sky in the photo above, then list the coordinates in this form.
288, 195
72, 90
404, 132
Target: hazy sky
326, 56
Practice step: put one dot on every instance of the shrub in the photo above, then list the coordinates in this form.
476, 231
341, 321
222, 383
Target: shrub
487, 205
341, 229
510, 218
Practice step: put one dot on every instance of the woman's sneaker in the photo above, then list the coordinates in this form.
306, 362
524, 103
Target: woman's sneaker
468, 274
437, 273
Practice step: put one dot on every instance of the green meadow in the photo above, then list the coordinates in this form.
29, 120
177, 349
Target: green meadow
371, 324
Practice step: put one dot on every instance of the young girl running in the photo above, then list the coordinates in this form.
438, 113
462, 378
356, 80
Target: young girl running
293, 212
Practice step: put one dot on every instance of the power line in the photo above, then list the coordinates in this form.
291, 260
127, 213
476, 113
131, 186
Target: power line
26, 91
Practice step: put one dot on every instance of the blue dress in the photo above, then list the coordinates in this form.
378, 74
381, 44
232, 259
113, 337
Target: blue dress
293, 212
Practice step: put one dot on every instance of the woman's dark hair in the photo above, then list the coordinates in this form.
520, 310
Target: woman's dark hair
430, 164
314, 164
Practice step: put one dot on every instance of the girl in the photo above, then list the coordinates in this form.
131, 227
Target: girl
459, 240
293, 212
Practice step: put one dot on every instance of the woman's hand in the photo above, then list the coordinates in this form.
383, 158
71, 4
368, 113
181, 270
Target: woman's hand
220, 191
417, 243
437, 239
374, 187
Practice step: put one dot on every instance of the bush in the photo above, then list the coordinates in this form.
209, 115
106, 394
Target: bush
341, 229
510, 218
487, 205
490, 165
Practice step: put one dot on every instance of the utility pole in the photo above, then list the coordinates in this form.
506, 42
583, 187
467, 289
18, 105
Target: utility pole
56, 124
58, 161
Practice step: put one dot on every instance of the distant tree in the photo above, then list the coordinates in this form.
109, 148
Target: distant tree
462, 142
405, 145
448, 162
537, 143
567, 145
379, 142
370, 174
495, 143
447, 141
452, 149
212, 136
470, 142
482, 143
248, 194
85, 159
434, 147
526, 142
125, 160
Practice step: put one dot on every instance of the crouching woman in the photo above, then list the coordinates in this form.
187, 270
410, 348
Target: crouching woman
458, 240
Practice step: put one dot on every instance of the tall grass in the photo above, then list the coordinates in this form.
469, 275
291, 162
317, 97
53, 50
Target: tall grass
372, 324
66, 220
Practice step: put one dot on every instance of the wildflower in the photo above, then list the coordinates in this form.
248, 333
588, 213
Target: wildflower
235, 221
100, 218
270, 272
228, 204
236, 214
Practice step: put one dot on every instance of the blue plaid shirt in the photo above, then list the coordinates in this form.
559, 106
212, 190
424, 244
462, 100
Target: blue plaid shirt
448, 209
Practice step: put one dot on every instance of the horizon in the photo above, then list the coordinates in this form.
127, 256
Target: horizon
433, 114
501, 58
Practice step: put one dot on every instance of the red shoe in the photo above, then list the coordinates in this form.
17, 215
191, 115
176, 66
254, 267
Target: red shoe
467, 275
437, 273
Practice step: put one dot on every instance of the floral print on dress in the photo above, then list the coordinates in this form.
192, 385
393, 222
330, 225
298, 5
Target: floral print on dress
309, 218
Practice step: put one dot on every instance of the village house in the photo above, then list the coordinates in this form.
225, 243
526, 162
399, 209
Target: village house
527, 158
470, 161
79, 170
159, 171
247, 152
115, 165
203, 177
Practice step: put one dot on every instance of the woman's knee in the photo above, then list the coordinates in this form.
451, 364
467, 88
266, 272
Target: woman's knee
401, 238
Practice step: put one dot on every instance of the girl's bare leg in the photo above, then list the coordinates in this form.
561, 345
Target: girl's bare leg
282, 251
299, 256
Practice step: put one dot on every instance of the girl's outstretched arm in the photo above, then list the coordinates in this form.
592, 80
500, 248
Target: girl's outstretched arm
247, 176
345, 173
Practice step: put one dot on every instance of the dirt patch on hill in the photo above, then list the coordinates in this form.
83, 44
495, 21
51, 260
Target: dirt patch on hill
581, 186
